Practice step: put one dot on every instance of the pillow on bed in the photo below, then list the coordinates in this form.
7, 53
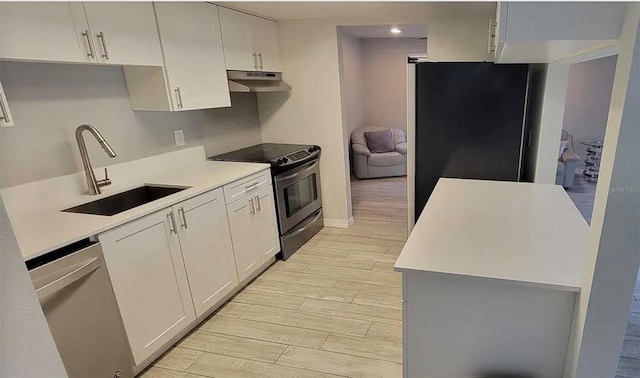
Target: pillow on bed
379, 141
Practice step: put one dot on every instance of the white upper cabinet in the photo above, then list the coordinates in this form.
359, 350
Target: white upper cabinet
53, 31
250, 43
546, 32
264, 37
6, 119
237, 41
206, 248
109, 33
149, 280
195, 76
124, 33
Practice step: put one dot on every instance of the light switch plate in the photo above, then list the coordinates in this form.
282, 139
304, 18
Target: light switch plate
179, 137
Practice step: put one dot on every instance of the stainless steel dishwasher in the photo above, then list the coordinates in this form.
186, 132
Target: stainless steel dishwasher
74, 289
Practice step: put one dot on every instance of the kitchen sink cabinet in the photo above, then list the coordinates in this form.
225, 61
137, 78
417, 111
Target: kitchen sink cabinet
254, 231
93, 32
250, 43
149, 280
206, 248
194, 75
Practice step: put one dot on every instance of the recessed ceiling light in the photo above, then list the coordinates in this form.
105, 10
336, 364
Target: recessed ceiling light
395, 30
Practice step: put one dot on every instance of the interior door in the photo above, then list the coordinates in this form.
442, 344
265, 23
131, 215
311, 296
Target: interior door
265, 226
193, 55
206, 248
51, 31
241, 223
149, 280
124, 33
264, 35
236, 39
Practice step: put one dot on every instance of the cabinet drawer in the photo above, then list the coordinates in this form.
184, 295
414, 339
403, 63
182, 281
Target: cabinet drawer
248, 185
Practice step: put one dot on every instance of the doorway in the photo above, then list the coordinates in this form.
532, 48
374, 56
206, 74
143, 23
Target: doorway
373, 74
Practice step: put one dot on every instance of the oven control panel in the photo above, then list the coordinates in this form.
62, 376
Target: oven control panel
307, 153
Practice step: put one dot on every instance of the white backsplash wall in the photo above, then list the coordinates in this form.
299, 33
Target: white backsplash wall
48, 101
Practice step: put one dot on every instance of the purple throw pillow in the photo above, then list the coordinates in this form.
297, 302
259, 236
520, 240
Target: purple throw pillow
379, 141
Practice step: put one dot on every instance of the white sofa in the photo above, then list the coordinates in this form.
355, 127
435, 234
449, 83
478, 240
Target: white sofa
367, 164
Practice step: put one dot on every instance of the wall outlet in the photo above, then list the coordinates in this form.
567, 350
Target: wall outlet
179, 137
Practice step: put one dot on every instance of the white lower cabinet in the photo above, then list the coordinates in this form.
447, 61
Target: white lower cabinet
149, 280
206, 248
254, 231
171, 267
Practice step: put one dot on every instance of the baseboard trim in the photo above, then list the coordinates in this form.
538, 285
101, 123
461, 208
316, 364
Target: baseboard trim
338, 223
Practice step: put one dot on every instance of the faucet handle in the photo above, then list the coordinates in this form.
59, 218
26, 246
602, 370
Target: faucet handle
105, 181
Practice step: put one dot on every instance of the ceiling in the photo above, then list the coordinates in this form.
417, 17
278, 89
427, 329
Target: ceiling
382, 31
299, 10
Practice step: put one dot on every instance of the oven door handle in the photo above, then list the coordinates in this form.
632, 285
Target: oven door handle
288, 177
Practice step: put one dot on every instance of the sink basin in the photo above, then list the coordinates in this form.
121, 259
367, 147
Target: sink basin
124, 201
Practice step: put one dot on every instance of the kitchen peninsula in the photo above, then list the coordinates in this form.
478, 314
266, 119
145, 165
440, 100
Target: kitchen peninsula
491, 272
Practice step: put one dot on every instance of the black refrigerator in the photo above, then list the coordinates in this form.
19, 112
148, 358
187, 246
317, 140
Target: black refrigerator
470, 123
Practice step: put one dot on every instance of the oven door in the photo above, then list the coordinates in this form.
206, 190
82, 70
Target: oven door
298, 193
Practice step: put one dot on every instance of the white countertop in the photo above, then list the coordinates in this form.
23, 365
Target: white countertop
42, 227
530, 234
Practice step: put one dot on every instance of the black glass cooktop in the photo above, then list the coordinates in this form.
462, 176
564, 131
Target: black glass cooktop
261, 153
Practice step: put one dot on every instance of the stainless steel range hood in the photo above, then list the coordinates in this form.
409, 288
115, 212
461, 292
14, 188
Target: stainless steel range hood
247, 81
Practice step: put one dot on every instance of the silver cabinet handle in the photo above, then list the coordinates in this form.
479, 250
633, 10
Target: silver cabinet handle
253, 208
260, 55
172, 219
184, 218
255, 61
258, 204
68, 278
179, 96
104, 45
249, 187
491, 47
3, 109
91, 54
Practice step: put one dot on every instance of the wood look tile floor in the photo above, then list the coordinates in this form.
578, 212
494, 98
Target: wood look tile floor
333, 309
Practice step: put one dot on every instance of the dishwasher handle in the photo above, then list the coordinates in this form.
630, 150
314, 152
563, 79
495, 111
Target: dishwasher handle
67, 279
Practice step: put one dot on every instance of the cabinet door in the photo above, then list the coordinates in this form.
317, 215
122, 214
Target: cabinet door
238, 52
6, 119
193, 55
206, 248
124, 33
52, 31
264, 37
243, 235
265, 225
149, 280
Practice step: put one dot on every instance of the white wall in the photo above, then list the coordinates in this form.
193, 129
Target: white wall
612, 259
351, 80
588, 99
311, 113
385, 79
27, 348
49, 101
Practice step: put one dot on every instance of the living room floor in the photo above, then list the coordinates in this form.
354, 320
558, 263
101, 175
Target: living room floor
583, 194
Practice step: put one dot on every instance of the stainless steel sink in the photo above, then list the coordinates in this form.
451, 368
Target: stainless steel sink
124, 201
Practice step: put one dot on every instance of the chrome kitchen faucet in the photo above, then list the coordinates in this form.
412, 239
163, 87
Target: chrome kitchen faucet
93, 184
